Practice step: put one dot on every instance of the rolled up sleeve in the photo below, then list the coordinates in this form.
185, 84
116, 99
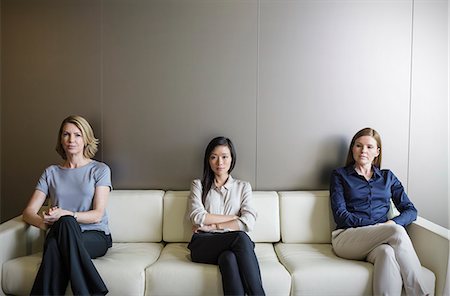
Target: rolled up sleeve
247, 213
197, 211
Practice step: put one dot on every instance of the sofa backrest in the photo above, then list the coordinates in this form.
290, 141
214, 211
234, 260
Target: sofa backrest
135, 215
305, 217
178, 228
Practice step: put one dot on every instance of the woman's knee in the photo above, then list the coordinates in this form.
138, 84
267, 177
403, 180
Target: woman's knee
243, 240
66, 221
398, 232
383, 252
226, 258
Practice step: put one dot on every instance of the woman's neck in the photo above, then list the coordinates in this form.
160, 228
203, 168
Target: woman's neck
364, 170
73, 162
219, 181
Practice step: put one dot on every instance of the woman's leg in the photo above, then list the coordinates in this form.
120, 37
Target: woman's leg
51, 279
207, 247
387, 279
66, 256
357, 243
229, 269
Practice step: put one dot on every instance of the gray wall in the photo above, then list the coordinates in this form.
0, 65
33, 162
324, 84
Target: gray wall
289, 81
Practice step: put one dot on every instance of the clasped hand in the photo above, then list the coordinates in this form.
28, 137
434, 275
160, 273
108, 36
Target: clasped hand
204, 228
53, 214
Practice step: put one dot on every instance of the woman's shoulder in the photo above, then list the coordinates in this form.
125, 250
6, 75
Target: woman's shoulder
386, 173
52, 168
342, 170
240, 183
196, 182
99, 165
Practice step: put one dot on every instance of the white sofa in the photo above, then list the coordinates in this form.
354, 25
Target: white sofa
150, 256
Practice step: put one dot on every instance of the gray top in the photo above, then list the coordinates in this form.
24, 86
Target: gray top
73, 189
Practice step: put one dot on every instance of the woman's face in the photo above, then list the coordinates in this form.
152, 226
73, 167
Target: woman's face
72, 139
365, 150
220, 160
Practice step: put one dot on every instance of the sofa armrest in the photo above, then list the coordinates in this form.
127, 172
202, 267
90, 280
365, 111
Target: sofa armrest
432, 245
18, 239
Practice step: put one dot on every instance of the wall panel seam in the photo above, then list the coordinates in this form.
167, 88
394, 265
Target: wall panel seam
258, 12
410, 98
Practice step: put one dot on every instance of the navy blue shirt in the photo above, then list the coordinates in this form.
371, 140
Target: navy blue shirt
357, 202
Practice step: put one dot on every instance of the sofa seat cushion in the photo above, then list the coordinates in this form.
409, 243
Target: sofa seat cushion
175, 274
316, 270
122, 269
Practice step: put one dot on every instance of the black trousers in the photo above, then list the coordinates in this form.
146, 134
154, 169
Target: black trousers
67, 256
234, 253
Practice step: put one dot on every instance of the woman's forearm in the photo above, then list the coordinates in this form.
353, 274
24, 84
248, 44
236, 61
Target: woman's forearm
215, 218
233, 225
34, 219
89, 217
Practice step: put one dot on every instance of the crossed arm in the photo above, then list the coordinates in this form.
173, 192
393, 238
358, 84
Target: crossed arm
47, 218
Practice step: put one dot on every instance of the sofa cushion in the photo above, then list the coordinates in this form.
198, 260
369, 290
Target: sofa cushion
178, 228
176, 224
306, 217
175, 274
135, 215
316, 270
122, 269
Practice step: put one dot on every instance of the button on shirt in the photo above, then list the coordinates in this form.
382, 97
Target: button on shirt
233, 198
357, 202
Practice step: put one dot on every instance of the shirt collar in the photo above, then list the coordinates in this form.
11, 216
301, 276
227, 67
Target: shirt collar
228, 184
351, 170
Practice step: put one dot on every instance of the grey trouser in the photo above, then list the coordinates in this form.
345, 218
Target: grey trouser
390, 249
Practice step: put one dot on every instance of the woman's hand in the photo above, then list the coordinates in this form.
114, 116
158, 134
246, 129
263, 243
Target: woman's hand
204, 228
53, 214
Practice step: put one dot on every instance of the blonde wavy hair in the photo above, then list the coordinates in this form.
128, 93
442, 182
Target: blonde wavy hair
90, 142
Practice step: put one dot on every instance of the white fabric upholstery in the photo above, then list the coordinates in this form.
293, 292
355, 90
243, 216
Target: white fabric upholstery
149, 256
175, 274
316, 270
19, 273
276, 279
305, 217
267, 226
122, 269
136, 215
176, 224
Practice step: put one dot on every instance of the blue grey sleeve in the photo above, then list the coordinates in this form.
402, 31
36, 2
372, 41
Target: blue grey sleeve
103, 176
42, 184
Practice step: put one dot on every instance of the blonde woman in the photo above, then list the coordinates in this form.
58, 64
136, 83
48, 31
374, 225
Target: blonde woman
76, 220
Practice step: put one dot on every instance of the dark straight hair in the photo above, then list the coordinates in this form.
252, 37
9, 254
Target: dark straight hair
208, 174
